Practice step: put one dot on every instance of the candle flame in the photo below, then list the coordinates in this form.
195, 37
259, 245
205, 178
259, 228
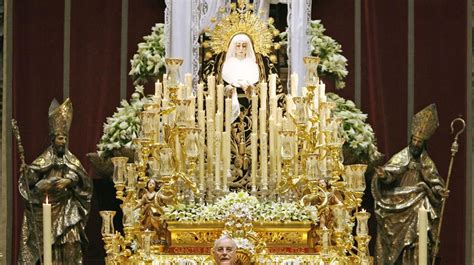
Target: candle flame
46, 198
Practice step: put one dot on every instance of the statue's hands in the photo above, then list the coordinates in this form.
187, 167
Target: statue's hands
62, 183
441, 191
229, 90
44, 185
380, 172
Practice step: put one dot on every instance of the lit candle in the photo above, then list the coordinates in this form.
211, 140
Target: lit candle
422, 236
47, 245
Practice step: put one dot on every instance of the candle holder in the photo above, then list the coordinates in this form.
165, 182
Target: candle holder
172, 73
182, 113
311, 78
287, 154
355, 179
143, 149
119, 174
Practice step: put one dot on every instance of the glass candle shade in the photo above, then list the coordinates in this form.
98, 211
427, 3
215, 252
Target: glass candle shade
119, 169
192, 142
311, 78
107, 228
172, 71
362, 219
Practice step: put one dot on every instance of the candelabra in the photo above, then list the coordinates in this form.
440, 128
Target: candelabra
174, 155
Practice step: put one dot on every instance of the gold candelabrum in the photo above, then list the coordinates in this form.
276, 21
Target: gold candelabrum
183, 155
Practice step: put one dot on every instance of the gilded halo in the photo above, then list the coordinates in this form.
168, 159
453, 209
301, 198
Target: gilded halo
241, 20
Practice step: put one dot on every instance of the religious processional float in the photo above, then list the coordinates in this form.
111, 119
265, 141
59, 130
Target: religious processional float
301, 203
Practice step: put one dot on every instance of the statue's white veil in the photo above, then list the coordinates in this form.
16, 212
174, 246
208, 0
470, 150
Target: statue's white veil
240, 72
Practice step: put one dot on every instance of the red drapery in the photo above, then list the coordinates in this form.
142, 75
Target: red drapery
440, 77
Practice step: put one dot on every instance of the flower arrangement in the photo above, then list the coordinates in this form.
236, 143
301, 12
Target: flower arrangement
124, 125
358, 134
244, 206
149, 61
333, 63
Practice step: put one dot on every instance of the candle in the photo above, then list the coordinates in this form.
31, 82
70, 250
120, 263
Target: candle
47, 245
210, 146
192, 110
188, 80
228, 114
322, 89
294, 84
211, 86
278, 154
217, 180
254, 113
253, 146
422, 236
263, 160
225, 159
220, 98
263, 94
200, 97
202, 126
158, 89
271, 131
272, 85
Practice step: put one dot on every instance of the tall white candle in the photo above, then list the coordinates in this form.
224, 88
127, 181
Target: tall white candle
228, 114
272, 85
264, 160
277, 151
210, 146
202, 126
211, 86
254, 113
192, 110
263, 94
200, 96
253, 146
158, 87
422, 236
294, 84
217, 170
47, 242
226, 159
220, 98
272, 142
188, 80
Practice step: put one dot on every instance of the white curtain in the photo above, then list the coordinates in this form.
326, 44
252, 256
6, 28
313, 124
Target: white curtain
299, 15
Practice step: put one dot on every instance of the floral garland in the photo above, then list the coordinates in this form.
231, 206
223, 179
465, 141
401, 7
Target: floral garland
124, 125
149, 61
358, 134
244, 205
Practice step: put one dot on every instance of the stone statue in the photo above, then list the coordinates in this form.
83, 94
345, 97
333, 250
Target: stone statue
400, 187
224, 250
59, 175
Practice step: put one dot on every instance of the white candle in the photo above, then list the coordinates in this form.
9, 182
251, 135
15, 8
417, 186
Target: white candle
272, 142
47, 245
165, 87
192, 110
217, 171
294, 84
210, 146
263, 94
211, 86
254, 113
225, 158
264, 160
188, 81
202, 126
200, 97
158, 89
272, 85
422, 236
228, 114
322, 89
220, 98
253, 146
277, 151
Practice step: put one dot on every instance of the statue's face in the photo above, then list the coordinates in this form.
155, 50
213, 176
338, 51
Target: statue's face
225, 251
59, 144
416, 146
241, 49
151, 185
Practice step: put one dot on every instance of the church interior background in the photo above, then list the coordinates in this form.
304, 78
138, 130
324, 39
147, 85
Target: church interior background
401, 57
